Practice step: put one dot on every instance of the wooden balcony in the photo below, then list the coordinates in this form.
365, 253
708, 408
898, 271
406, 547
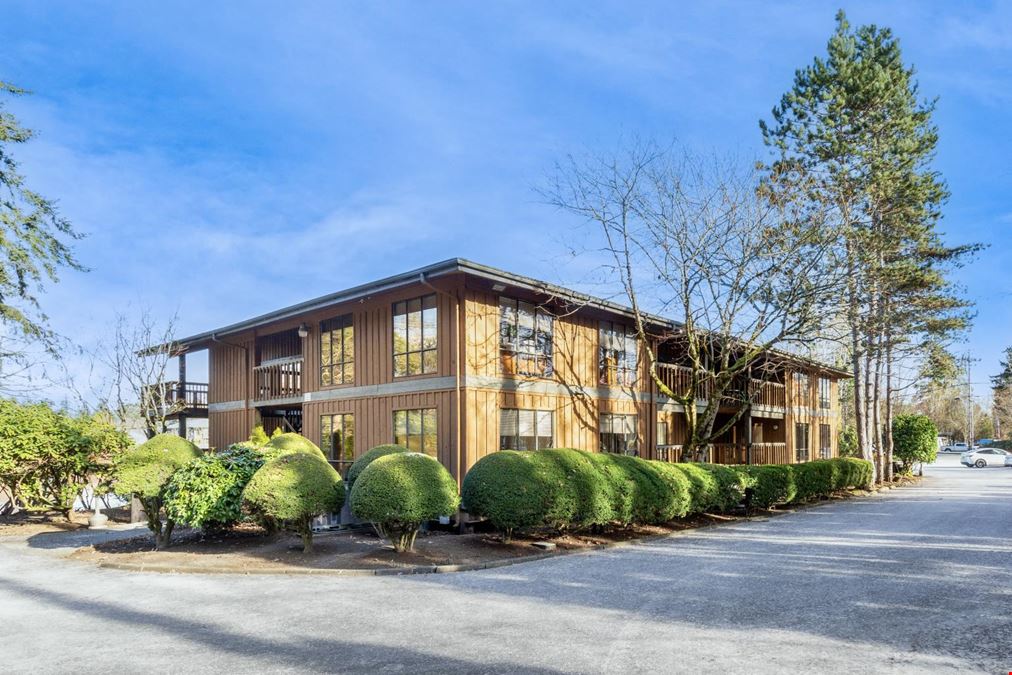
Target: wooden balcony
731, 453
174, 398
278, 379
679, 379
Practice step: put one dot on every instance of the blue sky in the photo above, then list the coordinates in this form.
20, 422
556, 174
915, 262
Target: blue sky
232, 159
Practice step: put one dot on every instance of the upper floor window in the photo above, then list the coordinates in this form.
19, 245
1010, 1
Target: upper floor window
802, 389
338, 435
617, 354
416, 430
825, 399
415, 327
525, 429
525, 338
618, 434
337, 351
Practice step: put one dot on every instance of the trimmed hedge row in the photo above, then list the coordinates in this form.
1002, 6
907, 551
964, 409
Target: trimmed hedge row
563, 488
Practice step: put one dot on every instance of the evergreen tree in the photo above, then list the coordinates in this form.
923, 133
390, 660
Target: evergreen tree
859, 141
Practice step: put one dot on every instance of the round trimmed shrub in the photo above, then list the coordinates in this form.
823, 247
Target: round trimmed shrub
144, 470
284, 444
402, 490
508, 488
582, 493
207, 492
292, 490
359, 465
813, 479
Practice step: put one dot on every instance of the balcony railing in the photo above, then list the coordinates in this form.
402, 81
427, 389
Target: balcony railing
731, 453
281, 378
679, 378
173, 397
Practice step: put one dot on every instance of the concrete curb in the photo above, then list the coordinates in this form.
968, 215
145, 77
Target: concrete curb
448, 569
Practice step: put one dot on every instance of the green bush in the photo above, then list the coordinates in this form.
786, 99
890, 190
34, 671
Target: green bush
856, 473
815, 479
47, 457
291, 490
258, 437
915, 439
731, 487
207, 492
284, 444
359, 465
145, 470
641, 491
509, 489
772, 485
703, 488
400, 491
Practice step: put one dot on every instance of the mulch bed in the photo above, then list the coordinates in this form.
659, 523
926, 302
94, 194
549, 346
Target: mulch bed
36, 522
249, 548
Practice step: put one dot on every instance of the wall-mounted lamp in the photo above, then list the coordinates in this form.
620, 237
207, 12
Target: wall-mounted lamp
775, 427
498, 288
303, 330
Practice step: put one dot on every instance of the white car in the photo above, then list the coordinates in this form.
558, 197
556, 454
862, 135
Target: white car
956, 447
1008, 459
984, 457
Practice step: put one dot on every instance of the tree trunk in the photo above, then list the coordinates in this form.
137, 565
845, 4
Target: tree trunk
306, 532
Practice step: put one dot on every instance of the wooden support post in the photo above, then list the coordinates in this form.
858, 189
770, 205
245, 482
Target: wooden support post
181, 394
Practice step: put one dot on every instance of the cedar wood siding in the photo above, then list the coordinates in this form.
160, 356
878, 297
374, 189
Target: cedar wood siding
468, 331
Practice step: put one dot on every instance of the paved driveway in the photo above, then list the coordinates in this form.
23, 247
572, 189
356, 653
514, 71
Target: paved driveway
917, 580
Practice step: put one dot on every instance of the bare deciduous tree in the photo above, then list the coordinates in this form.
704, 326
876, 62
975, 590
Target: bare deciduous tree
140, 380
747, 271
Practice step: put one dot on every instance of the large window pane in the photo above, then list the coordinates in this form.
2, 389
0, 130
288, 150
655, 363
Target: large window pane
338, 437
415, 327
525, 338
525, 429
417, 430
619, 434
337, 351
617, 354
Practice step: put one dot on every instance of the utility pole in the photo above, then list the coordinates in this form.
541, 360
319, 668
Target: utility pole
969, 401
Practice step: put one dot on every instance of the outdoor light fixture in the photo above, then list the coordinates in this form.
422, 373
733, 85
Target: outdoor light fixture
303, 330
498, 288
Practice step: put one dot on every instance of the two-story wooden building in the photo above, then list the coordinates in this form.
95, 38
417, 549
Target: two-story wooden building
459, 360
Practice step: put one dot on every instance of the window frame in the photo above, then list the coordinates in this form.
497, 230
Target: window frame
806, 397
825, 402
424, 414
347, 323
510, 347
608, 447
327, 432
427, 356
825, 441
536, 417
625, 373
806, 428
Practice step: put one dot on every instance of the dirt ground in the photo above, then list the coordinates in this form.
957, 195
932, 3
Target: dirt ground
35, 522
250, 548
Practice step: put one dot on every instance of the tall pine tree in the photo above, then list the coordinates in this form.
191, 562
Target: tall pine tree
859, 140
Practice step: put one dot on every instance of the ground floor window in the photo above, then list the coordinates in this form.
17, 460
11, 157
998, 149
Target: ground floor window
338, 440
525, 429
825, 441
618, 434
416, 430
801, 446
663, 451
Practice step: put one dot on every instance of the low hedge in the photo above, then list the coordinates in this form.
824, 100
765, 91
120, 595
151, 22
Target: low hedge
565, 488
400, 491
367, 458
